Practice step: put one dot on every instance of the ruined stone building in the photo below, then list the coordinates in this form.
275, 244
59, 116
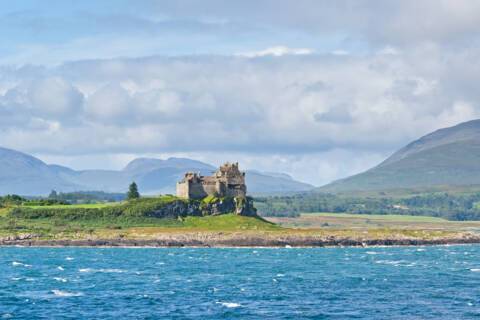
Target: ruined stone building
227, 181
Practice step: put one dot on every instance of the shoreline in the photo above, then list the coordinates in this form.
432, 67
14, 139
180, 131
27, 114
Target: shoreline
238, 243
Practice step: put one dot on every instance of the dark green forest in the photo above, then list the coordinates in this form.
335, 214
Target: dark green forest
444, 205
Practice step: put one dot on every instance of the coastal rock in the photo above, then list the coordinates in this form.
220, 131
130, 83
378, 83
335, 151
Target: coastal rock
242, 206
177, 209
212, 206
20, 237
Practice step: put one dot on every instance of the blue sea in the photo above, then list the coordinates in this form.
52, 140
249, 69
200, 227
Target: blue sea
440, 282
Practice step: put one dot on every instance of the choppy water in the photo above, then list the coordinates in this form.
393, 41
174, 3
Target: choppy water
333, 283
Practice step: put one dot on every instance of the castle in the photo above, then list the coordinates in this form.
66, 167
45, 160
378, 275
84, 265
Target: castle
227, 181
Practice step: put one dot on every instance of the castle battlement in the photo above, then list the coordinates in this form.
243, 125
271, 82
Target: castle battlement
227, 181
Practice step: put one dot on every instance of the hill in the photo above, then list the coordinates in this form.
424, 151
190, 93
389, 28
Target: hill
447, 158
24, 174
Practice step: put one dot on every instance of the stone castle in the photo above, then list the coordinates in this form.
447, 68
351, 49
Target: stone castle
227, 181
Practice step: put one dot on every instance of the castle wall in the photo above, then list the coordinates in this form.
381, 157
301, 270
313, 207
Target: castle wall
197, 191
209, 187
182, 189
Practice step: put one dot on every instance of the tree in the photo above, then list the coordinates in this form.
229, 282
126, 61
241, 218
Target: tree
133, 191
53, 194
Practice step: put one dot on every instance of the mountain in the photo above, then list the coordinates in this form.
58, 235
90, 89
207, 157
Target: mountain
446, 157
23, 174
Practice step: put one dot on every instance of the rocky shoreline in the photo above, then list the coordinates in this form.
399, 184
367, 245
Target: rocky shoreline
239, 241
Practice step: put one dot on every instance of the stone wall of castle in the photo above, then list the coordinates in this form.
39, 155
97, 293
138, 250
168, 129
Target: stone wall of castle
228, 181
183, 189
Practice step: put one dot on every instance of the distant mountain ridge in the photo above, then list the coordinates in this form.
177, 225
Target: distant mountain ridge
446, 157
24, 174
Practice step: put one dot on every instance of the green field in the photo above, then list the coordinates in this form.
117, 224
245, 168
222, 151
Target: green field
76, 206
345, 221
382, 217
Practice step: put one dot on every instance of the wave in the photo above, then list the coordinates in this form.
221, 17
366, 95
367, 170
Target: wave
90, 270
17, 264
229, 304
60, 268
475, 270
60, 279
69, 258
396, 263
61, 293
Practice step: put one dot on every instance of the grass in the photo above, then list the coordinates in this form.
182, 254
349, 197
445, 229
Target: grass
228, 225
228, 222
383, 217
49, 228
52, 221
76, 206
367, 222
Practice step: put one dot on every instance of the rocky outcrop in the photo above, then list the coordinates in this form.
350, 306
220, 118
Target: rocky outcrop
239, 205
175, 209
210, 206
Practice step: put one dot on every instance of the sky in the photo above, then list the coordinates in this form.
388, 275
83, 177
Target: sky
317, 89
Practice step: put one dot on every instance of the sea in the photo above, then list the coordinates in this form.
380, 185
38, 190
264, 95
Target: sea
437, 282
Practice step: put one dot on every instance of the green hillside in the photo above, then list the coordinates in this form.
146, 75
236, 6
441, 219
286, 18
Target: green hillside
446, 158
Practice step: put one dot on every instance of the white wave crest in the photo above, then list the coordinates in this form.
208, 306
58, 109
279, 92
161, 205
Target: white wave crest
60, 279
61, 293
102, 270
230, 304
17, 264
475, 270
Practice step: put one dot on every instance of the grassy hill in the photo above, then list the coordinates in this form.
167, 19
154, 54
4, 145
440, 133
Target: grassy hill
447, 158
160, 213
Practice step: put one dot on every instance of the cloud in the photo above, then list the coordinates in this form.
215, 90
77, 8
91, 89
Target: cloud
292, 104
110, 104
277, 51
54, 97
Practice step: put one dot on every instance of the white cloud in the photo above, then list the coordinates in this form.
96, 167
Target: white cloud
109, 104
54, 97
155, 104
388, 50
277, 51
340, 52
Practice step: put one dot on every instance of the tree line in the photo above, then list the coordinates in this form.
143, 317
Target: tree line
444, 205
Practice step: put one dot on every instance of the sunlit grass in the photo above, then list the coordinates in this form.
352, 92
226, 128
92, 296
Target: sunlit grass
384, 217
76, 206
